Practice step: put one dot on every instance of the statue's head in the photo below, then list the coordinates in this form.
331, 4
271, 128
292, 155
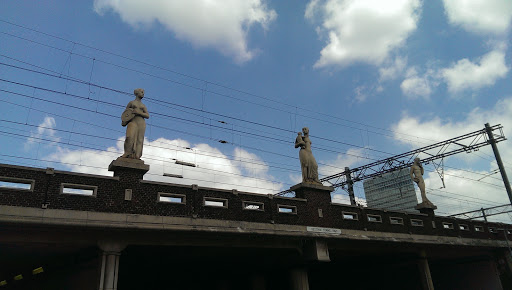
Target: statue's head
305, 130
417, 160
139, 93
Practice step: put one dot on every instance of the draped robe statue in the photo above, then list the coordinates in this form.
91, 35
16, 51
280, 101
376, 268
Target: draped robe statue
307, 160
133, 118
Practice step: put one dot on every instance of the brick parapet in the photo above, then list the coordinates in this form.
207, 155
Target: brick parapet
110, 198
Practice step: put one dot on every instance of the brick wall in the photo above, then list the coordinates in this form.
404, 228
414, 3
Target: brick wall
314, 208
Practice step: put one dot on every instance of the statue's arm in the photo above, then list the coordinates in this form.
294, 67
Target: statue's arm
144, 112
422, 171
299, 142
411, 172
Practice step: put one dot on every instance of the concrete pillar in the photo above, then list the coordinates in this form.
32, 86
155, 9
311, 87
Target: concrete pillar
109, 264
299, 279
425, 277
508, 259
316, 250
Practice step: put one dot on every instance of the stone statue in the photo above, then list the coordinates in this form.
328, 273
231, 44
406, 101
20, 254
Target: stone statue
133, 118
307, 161
417, 176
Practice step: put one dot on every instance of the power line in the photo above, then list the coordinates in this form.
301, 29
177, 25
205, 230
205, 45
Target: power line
160, 114
245, 160
60, 76
117, 152
199, 79
151, 174
317, 137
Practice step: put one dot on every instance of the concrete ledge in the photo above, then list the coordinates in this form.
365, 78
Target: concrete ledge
289, 198
87, 175
128, 163
84, 219
312, 186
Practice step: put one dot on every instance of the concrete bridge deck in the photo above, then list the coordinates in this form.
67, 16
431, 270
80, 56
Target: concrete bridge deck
125, 235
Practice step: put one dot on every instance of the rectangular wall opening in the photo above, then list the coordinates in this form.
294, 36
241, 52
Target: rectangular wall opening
374, 218
172, 198
215, 202
416, 223
464, 227
253, 205
350, 216
78, 189
17, 183
448, 226
479, 229
396, 220
287, 209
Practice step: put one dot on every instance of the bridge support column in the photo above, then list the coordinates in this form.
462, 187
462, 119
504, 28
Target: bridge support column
426, 278
299, 279
109, 265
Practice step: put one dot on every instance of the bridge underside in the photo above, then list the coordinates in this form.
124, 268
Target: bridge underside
71, 259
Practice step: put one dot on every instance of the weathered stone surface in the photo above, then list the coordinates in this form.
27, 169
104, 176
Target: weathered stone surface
130, 163
133, 118
311, 186
308, 163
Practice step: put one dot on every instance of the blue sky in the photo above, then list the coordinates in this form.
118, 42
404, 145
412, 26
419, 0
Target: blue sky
376, 78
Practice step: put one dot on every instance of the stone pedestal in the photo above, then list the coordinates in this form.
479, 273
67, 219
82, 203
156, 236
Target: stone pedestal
318, 202
109, 265
426, 208
306, 190
128, 168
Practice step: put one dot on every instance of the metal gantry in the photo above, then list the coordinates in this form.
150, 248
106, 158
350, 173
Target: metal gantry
484, 212
435, 154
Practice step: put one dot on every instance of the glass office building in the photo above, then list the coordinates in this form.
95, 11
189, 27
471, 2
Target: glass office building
393, 191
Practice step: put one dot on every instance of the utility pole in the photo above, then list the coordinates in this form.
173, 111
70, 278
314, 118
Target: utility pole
350, 184
483, 214
492, 141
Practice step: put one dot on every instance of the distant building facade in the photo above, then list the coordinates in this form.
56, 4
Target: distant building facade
393, 191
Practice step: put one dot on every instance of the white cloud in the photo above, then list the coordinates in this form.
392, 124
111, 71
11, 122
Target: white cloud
480, 16
362, 30
463, 193
393, 70
435, 129
338, 165
245, 172
483, 72
44, 131
256, 167
345, 199
415, 86
223, 25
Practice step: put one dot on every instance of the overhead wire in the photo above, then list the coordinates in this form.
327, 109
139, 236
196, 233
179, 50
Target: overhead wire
155, 113
100, 152
199, 79
132, 59
244, 92
60, 76
152, 174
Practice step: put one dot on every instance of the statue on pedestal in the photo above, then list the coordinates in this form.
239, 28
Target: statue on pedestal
307, 161
133, 118
417, 176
